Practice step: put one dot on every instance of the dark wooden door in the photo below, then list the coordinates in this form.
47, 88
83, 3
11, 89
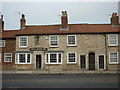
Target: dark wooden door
82, 61
91, 61
101, 61
38, 61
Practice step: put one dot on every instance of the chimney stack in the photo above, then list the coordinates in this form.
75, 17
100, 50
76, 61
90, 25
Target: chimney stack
1, 24
64, 20
22, 22
114, 19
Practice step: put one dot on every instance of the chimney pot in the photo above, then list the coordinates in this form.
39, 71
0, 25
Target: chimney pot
23, 16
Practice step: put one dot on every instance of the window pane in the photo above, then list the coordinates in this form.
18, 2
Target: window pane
113, 57
59, 58
112, 39
54, 41
71, 57
71, 40
53, 58
47, 57
28, 58
22, 58
16, 58
2, 43
23, 41
8, 57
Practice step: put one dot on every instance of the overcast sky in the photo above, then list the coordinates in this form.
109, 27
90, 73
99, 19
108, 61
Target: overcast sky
42, 13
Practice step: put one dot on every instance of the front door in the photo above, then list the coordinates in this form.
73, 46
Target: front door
91, 61
101, 61
38, 61
82, 62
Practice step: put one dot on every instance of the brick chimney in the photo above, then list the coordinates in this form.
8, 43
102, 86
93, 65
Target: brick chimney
64, 20
22, 22
1, 24
114, 19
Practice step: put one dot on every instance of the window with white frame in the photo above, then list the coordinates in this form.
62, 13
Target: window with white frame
23, 58
71, 40
54, 41
113, 40
23, 41
53, 58
8, 57
113, 57
71, 57
2, 43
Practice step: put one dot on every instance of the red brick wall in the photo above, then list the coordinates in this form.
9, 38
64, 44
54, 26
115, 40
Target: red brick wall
9, 48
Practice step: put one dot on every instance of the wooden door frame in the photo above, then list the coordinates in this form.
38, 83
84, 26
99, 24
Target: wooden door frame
104, 62
80, 61
89, 60
41, 61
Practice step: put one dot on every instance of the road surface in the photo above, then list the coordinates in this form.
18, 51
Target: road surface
59, 81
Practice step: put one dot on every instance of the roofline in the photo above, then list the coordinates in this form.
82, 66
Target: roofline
8, 38
67, 33
78, 23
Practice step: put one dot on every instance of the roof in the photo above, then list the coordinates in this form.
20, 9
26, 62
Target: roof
55, 29
8, 33
73, 28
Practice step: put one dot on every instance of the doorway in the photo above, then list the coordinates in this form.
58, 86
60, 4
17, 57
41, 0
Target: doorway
92, 61
101, 62
82, 62
38, 61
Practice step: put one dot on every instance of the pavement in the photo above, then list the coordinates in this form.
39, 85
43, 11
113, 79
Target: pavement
57, 72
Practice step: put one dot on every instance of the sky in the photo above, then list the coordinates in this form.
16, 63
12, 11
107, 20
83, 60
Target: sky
49, 12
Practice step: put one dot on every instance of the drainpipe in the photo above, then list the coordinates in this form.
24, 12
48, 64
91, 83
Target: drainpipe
106, 51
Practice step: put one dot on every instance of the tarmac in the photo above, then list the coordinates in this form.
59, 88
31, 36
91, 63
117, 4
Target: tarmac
57, 72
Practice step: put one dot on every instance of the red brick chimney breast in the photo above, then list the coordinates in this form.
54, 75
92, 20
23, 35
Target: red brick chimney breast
115, 19
64, 20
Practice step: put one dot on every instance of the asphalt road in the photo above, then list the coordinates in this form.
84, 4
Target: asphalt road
59, 81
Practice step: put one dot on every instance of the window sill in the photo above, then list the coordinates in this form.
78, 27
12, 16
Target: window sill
72, 63
113, 63
113, 45
23, 47
53, 63
24, 63
71, 45
54, 46
7, 61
